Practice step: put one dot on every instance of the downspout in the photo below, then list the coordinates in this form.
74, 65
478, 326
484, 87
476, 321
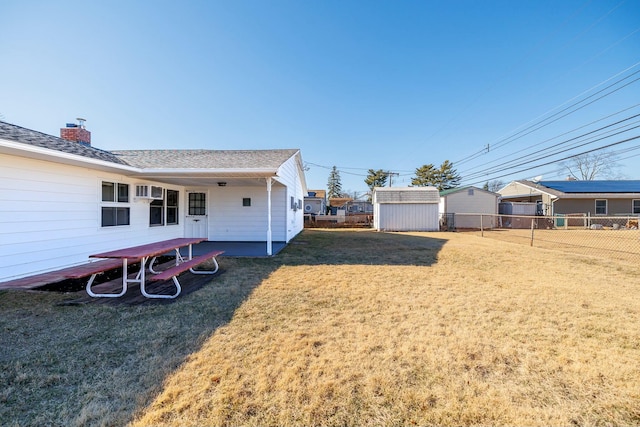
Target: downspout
269, 245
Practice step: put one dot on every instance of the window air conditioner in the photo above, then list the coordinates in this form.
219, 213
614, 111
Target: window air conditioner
149, 192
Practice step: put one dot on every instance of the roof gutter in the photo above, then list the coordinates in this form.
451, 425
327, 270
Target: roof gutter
220, 173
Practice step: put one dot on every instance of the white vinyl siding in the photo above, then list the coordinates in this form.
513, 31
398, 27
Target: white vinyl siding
229, 220
289, 175
51, 217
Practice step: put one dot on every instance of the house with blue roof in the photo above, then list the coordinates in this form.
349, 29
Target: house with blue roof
64, 199
593, 198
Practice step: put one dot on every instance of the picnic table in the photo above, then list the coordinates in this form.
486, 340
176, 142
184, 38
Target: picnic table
143, 253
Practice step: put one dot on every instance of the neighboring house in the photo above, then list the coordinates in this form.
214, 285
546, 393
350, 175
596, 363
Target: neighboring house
460, 206
359, 207
606, 198
315, 203
405, 208
63, 199
338, 204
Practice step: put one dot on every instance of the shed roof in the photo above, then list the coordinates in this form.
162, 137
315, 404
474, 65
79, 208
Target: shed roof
458, 189
406, 195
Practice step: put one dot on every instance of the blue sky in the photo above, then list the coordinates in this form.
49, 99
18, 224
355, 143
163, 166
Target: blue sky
358, 84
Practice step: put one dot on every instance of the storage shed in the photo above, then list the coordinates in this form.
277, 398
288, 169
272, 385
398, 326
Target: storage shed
465, 205
405, 208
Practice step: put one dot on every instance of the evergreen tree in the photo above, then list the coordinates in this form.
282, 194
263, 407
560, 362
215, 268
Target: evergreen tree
425, 175
376, 178
443, 178
448, 176
334, 186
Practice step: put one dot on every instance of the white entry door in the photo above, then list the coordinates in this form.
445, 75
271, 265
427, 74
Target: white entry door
196, 223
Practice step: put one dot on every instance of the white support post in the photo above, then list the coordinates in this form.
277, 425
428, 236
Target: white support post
269, 245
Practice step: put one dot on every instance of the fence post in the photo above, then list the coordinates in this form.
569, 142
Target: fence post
532, 221
481, 226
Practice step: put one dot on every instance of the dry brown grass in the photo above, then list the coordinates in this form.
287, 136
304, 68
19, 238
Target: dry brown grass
344, 328
488, 334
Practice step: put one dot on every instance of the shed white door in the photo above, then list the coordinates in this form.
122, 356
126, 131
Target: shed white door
196, 221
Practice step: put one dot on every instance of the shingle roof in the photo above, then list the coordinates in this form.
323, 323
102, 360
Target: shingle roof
15, 133
205, 159
620, 186
153, 159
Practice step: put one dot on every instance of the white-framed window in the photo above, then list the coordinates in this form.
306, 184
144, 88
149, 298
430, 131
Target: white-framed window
635, 206
114, 210
172, 207
156, 212
601, 206
197, 204
164, 211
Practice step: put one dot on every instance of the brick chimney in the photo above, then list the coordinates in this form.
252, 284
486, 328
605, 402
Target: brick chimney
76, 133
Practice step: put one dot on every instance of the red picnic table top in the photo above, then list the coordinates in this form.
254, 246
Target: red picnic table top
150, 249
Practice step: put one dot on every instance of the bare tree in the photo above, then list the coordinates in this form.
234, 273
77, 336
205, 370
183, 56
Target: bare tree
493, 185
591, 166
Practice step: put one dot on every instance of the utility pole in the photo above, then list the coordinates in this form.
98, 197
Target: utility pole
390, 175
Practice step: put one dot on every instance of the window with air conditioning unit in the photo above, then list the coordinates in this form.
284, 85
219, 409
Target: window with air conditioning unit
150, 192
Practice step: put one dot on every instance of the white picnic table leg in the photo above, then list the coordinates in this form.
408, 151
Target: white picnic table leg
153, 260
215, 262
124, 284
143, 289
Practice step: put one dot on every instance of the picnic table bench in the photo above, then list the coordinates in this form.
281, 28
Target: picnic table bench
92, 269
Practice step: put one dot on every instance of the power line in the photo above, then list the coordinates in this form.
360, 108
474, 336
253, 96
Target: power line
538, 144
558, 152
539, 122
577, 143
557, 160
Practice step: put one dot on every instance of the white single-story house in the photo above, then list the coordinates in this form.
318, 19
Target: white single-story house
63, 199
405, 208
464, 207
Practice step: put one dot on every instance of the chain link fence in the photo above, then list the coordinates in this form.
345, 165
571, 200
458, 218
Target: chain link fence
610, 237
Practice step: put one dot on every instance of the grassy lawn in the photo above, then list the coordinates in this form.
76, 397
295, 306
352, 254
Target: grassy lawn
342, 328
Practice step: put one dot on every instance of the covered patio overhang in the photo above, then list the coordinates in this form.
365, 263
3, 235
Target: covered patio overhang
528, 197
265, 178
